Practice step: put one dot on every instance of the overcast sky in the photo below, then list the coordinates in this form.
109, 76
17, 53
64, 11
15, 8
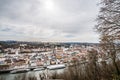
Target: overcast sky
48, 20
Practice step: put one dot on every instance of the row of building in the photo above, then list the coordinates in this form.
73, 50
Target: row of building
24, 57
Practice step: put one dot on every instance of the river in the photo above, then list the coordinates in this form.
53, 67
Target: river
10, 76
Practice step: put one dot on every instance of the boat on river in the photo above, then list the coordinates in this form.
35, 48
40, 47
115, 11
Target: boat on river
38, 69
57, 66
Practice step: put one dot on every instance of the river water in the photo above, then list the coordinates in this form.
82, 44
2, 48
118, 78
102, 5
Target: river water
10, 76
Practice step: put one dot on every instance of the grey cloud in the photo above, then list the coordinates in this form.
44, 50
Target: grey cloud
64, 18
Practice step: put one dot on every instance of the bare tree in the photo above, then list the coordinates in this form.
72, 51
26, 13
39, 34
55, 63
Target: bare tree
109, 18
109, 29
